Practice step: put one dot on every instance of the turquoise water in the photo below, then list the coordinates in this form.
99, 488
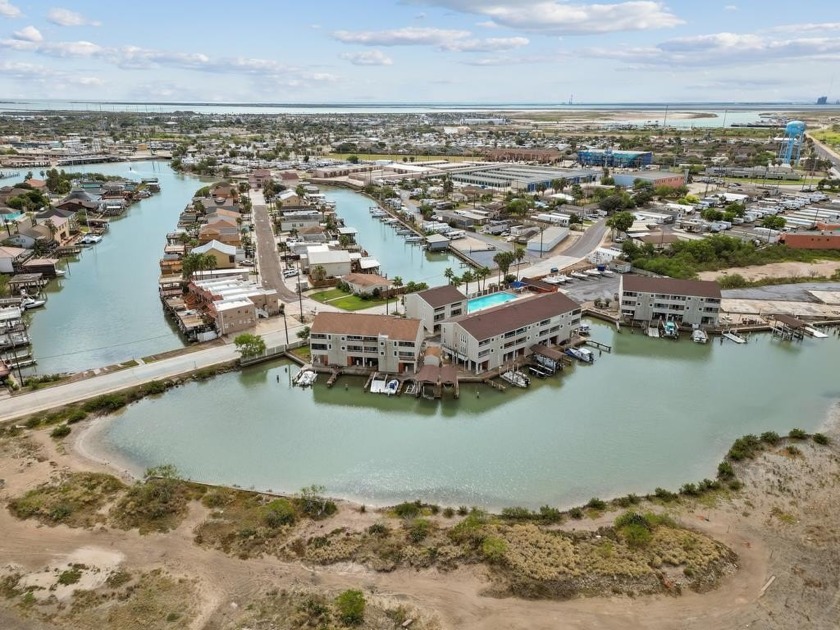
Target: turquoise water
653, 413
486, 301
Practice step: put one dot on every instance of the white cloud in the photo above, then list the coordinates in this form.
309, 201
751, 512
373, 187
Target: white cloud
368, 58
9, 10
28, 34
65, 17
730, 7
508, 60
566, 18
492, 44
409, 36
806, 28
725, 49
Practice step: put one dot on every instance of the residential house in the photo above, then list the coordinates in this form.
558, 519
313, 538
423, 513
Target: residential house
11, 258
366, 283
299, 220
258, 177
288, 199
379, 342
693, 302
336, 263
224, 254
494, 337
220, 229
435, 305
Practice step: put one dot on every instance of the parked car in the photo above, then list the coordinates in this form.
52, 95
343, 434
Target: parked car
246, 263
290, 273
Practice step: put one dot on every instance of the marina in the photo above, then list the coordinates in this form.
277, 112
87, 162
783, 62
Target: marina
563, 428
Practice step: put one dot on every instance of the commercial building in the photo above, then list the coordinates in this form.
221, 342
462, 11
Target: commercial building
811, 240
520, 176
693, 302
379, 342
497, 336
548, 239
433, 306
620, 159
657, 178
437, 242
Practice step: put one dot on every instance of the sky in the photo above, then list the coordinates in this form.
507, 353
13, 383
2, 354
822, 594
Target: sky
420, 51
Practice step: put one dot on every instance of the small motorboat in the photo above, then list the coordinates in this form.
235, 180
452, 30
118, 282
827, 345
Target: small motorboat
584, 330
579, 275
581, 354
305, 378
30, 302
671, 331
392, 386
516, 378
90, 239
699, 336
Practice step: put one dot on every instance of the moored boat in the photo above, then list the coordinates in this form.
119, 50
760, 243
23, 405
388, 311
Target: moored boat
581, 354
30, 302
699, 336
516, 378
305, 378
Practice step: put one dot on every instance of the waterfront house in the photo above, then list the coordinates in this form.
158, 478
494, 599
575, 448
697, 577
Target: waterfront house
336, 263
79, 201
437, 243
11, 258
435, 305
692, 302
288, 199
222, 299
225, 255
379, 342
366, 283
299, 220
45, 267
220, 229
258, 177
494, 337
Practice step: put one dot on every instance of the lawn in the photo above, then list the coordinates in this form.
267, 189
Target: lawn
326, 296
343, 300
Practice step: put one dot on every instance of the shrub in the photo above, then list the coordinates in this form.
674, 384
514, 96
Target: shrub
493, 549
278, 513
75, 415
70, 576
60, 431
725, 471
516, 513
408, 510
636, 535
771, 437
105, 403
797, 434
550, 514
418, 530
744, 447
463, 510
378, 529
821, 438
351, 607
664, 495
735, 485
792, 450
596, 504
576, 513
154, 387
448, 512
689, 489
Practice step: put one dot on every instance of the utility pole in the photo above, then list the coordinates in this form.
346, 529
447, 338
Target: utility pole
300, 299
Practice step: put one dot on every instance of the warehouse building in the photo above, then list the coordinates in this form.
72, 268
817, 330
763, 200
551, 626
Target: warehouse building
610, 158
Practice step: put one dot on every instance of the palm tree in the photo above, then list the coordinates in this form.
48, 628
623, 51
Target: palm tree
449, 274
482, 273
503, 260
467, 278
518, 255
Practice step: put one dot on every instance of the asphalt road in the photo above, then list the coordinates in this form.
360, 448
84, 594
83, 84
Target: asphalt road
267, 257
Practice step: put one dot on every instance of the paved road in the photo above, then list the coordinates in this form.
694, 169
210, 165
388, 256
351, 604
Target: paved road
585, 245
267, 257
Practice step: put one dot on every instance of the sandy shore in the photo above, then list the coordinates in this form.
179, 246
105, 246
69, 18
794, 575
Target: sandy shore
777, 270
88, 446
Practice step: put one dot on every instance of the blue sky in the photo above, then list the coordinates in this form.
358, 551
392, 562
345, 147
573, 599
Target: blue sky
481, 51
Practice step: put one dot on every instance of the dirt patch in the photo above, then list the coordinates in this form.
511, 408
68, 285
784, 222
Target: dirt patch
824, 269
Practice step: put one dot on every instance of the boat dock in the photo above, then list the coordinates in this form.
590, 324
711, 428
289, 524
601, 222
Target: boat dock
733, 337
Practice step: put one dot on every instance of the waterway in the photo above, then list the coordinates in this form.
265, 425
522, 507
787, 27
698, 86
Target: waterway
396, 257
655, 413
107, 310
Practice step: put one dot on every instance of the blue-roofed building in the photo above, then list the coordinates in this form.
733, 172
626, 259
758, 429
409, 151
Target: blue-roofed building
620, 159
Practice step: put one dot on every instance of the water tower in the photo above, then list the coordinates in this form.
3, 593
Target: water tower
791, 144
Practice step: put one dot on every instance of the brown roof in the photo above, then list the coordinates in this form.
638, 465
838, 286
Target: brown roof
550, 353
505, 317
365, 279
366, 325
787, 320
441, 296
670, 286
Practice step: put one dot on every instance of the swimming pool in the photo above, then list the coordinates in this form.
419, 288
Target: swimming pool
486, 301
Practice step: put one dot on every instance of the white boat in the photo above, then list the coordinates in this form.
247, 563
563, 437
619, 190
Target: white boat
60, 273
593, 272
671, 331
581, 354
733, 337
90, 239
556, 279
414, 239
607, 272
516, 378
579, 275
392, 386
584, 330
816, 334
30, 302
305, 378
699, 336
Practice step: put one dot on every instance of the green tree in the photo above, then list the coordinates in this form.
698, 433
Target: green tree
518, 255
353, 159
621, 221
449, 274
304, 333
613, 203
351, 607
774, 222
249, 346
503, 261
467, 277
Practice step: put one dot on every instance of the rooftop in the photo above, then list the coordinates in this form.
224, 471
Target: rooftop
670, 286
498, 320
400, 328
441, 296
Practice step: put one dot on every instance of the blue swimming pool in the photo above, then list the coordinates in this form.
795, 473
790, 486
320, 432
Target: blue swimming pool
486, 301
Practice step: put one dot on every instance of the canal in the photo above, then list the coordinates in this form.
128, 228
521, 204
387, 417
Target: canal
396, 257
107, 310
654, 413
